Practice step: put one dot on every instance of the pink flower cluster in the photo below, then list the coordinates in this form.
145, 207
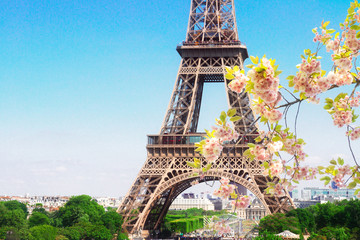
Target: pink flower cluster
333, 45
225, 189
342, 172
225, 133
279, 188
275, 146
292, 146
342, 117
271, 114
351, 41
306, 82
303, 173
354, 134
344, 63
323, 37
238, 84
241, 202
212, 149
276, 167
260, 153
340, 78
343, 114
266, 85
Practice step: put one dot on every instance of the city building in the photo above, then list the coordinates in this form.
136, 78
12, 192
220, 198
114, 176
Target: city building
309, 193
256, 210
190, 200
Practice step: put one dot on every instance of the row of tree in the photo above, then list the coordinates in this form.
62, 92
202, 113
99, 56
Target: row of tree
339, 220
80, 218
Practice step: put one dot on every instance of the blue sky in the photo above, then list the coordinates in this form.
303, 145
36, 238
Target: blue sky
83, 82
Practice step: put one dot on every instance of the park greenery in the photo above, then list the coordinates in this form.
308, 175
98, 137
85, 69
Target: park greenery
339, 220
186, 221
80, 218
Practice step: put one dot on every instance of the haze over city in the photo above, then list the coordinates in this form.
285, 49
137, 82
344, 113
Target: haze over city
84, 82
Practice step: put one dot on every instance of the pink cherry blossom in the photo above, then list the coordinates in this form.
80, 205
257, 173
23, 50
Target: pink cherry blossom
260, 153
354, 134
238, 84
275, 146
241, 202
212, 149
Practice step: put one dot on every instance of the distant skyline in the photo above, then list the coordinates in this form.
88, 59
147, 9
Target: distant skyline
83, 82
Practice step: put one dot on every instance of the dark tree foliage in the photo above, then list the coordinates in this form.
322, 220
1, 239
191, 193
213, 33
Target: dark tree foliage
112, 221
339, 220
278, 222
13, 205
305, 217
44, 232
41, 210
80, 209
267, 236
37, 219
335, 233
80, 219
12, 218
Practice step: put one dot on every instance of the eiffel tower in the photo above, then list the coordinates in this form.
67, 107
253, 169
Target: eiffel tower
211, 44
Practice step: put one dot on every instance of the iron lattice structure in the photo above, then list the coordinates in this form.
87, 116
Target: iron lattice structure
211, 45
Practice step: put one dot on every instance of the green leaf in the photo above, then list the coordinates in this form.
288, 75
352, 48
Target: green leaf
231, 112
191, 164
251, 145
314, 30
233, 195
357, 191
352, 185
207, 167
223, 116
358, 35
291, 83
266, 165
255, 60
197, 161
302, 96
229, 70
329, 100
325, 24
326, 178
327, 107
291, 77
259, 69
333, 162
351, 10
208, 133
295, 181
355, 27
330, 31
234, 119
340, 161
236, 68
277, 73
229, 76
250, 66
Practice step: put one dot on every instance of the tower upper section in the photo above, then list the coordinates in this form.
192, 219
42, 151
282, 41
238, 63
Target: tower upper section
212, 27
211, 22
